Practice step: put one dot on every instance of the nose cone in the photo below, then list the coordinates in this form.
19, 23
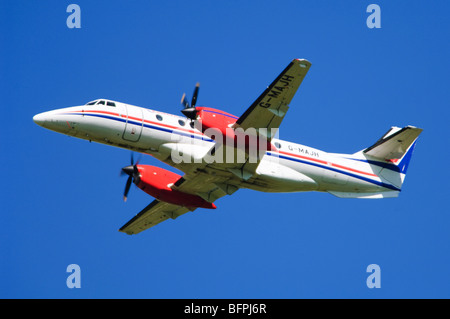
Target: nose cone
63, 121
40, 119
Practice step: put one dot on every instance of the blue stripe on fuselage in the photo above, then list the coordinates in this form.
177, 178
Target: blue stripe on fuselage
337, 171
155, 127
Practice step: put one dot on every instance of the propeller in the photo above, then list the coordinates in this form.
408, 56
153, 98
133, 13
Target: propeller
189, 109
133, 174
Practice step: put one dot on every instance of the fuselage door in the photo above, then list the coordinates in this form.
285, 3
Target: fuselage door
134, 123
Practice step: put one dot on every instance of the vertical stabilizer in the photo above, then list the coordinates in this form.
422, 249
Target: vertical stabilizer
394, 146
393, 152
389, 157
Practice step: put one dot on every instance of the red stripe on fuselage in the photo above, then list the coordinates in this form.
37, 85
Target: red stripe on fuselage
327, 163
140, 120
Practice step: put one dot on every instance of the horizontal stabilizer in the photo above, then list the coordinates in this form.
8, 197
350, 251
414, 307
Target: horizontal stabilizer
388, 194
394, 144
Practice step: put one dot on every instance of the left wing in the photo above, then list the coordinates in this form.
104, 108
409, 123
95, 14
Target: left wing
199, 183
271, 106
206, 185
152, 215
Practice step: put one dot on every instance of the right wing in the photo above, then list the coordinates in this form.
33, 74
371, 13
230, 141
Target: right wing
271, 106
265, 115
152, 215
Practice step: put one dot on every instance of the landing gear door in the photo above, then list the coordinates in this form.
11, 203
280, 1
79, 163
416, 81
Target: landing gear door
133, 125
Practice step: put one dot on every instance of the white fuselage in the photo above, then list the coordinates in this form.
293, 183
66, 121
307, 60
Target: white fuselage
291, 168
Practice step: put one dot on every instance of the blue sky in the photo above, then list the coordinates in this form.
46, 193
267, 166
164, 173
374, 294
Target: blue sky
62, 197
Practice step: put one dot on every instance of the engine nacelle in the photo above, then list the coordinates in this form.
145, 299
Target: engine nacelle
217, 125
214, 122
157, 182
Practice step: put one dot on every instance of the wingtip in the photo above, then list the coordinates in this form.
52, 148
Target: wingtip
303, 62
121, 230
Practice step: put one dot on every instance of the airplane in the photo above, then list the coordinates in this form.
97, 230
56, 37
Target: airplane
219, 153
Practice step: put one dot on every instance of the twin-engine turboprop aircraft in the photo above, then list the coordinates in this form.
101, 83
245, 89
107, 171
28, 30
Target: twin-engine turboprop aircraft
220, 152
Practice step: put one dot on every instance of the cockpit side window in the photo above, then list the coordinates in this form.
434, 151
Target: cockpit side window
110, 103
101, 102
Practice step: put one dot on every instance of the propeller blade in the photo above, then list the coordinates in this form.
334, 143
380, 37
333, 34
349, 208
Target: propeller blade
127, 188
138, 160
184, 101
194, 96
133, 175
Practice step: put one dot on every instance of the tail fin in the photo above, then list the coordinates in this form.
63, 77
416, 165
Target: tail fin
389, 158
392, 153
396, 146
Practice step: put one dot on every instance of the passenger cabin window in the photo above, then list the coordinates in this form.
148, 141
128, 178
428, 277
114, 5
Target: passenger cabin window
110, 103
181, 122
159, 117
277, 145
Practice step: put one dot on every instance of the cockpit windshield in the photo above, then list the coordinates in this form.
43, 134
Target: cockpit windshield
102, 102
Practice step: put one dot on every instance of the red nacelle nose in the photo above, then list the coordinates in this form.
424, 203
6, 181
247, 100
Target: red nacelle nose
215, 120
157, 182
217, 125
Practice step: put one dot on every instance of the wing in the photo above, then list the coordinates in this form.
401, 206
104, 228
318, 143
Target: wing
152, 215
200, 183
271, 106
206, 185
